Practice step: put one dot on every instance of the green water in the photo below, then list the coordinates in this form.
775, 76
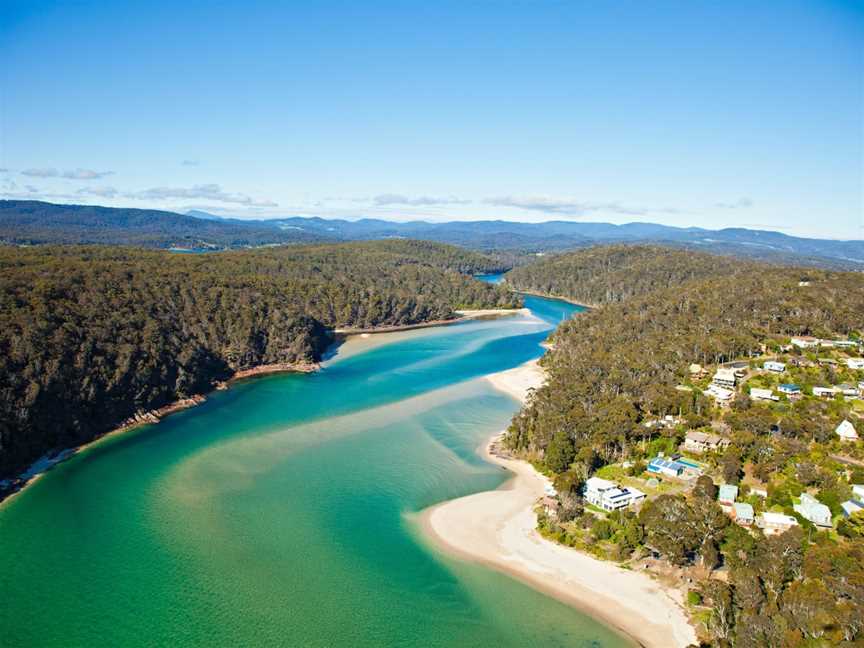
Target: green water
281, 512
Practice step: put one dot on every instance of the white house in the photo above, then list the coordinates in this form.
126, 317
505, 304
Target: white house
825, 392
699, 442
789, 389
858, 491
773, 523
776, 367
742, 513
610, 496
812, 509
727, 494
846, 431
855, 363
757, 393
804, 341
720, 393
850, 507
725, 378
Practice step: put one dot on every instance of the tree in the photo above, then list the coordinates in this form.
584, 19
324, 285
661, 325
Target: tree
705, 487
731, 466
560, 453
669, 528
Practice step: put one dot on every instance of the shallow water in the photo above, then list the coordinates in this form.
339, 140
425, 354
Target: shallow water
278, 512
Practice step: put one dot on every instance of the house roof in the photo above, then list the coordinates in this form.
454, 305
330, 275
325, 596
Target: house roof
728, 492
846, 430
743, 510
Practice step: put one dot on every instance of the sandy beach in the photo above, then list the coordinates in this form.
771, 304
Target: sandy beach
498, 529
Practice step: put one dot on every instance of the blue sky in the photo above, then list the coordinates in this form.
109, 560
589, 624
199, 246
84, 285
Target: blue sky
686, 113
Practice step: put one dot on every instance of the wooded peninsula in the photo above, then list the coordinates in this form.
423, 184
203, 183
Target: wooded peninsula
90, 336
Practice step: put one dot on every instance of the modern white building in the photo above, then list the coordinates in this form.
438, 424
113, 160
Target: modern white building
725, 378
855, 363
825, 392
610, 496
720, 393
846, 431
804, 341
776, 367
773, 523
758, 393
812, 509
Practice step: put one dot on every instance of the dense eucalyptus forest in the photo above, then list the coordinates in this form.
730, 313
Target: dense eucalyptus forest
91, 335
620, 365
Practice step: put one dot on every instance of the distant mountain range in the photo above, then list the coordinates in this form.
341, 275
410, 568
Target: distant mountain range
32, 222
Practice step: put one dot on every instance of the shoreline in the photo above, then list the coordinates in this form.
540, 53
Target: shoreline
537, 293
499, 530
52, 458
464, 316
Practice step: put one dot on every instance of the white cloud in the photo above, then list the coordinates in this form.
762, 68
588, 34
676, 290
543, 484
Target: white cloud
569, 206
41, 173
741, 203
86, 174
199, 192
102, 192
69, 174
417, 201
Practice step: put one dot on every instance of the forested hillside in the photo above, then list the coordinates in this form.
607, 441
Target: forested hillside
600, 275
89, 336
616, 370
29, 222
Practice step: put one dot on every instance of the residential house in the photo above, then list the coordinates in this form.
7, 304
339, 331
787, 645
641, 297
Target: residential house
855, 363
804, 341
812, 509
790, 389
725, 377
846, 431
850, 391
742, 513
757, 393
850, 507
699, 442
776, 367
858, 492
825, 392
727, 494
661, 466
774, 523
720, 393
846, 344
611, 496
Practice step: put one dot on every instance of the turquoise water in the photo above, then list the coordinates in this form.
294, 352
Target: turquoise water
281, 512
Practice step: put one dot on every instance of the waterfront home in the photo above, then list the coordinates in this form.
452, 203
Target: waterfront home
773, 523
825, 392
720, 393
790, 389
850, 391
776, 367
756, 393
699, 442
850, 507
727, 494
812, 509
725, 377
855, 363
804, 341
611, 496
661, 466
846, 431
742, 513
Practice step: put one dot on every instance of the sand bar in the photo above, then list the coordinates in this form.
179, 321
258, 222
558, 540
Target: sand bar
498, 529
